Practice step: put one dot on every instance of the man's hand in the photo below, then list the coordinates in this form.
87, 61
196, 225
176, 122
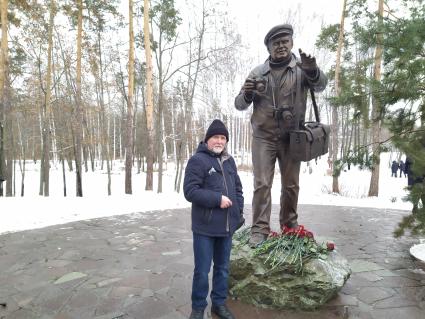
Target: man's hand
225, 202
308, 63
249, 86
249, 89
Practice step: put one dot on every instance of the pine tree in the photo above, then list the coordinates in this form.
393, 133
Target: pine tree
404, 91
400, 92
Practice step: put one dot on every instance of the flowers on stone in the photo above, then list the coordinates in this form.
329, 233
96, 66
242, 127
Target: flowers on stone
289, 249
298, 231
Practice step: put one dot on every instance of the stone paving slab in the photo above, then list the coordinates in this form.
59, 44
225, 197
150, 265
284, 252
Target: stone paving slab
140, 266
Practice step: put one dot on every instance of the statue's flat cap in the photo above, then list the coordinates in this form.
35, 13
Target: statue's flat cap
278, 30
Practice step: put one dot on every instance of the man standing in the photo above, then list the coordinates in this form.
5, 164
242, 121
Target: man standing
412, 180
213, 187
278, 90
394, 169
402, 168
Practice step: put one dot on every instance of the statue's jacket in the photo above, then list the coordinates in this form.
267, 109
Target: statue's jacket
281, 93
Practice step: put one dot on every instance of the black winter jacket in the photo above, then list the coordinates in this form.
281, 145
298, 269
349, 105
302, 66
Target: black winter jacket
394, 167
204, 185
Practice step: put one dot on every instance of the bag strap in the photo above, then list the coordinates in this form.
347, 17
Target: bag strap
313, 99
298, 98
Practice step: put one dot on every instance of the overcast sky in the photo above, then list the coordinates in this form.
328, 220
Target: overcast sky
255, 18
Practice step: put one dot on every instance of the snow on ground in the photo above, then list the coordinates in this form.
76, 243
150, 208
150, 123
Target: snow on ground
418, 251
33, 211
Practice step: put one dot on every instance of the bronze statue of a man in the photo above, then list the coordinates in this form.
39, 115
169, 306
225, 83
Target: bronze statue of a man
278, 90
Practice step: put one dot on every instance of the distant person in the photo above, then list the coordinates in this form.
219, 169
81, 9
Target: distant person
278, 90
394, 169
2, 175
408, 169
402, 168
214, 188
412, 179
1, 185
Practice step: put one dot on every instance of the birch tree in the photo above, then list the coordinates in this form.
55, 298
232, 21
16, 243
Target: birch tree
189, 91
149, 96
166, 20
99, 26
76, 121
129, 124
46, 111
5, 168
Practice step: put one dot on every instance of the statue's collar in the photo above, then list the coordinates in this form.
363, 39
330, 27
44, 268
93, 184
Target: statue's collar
267, 67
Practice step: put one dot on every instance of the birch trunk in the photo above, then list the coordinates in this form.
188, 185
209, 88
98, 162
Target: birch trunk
149, 97
76, 121
46, 111
129, 124
5, 102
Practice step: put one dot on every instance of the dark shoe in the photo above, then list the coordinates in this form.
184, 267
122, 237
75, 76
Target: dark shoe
256, 239
196, 314
222, 312
292, 225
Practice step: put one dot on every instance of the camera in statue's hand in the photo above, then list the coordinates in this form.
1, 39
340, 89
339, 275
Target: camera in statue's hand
253, 86
259, 84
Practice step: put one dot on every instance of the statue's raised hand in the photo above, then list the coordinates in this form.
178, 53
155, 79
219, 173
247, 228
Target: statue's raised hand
308, 63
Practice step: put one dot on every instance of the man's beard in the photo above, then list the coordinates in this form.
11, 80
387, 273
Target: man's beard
217, 149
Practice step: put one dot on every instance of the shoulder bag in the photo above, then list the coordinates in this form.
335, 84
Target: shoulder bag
311, 139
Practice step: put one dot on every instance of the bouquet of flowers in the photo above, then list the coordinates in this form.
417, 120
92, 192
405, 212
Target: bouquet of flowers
290, 248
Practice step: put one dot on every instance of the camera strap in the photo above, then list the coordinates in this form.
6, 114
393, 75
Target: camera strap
278, 109
273, 86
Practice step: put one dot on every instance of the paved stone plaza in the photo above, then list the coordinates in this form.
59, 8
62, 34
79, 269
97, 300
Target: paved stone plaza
139, 266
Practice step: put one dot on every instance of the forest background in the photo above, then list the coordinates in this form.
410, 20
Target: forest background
87, 82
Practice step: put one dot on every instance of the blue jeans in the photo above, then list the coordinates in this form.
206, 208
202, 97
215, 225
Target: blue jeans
205, 250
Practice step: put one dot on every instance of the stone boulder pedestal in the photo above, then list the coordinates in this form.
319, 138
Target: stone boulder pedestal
253, 282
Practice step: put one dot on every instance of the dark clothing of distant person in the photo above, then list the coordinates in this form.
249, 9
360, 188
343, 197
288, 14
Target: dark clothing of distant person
412, 179
394, 169
402, 167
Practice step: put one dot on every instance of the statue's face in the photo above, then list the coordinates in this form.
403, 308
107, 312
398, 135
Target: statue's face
280, 48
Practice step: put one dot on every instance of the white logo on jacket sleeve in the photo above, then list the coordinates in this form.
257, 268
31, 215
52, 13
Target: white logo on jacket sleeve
212, 170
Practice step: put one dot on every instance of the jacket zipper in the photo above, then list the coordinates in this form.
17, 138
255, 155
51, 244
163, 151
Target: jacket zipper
227, 193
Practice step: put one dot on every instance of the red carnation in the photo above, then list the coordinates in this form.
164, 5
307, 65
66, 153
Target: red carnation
299, 231
273, 234
330, 246
309, 234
